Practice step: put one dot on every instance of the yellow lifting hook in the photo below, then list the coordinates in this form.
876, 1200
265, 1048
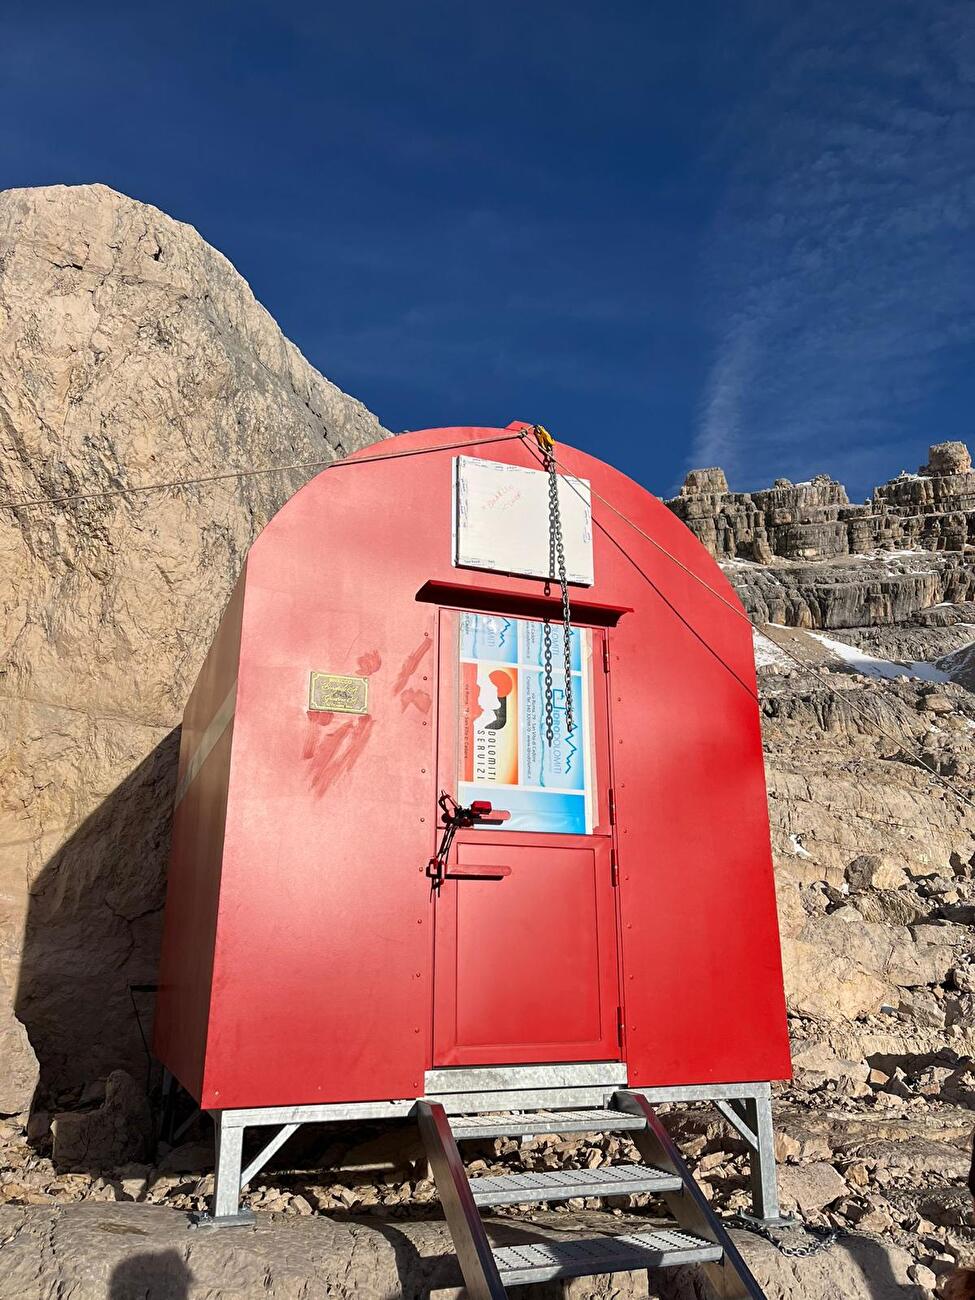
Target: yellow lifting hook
545, 440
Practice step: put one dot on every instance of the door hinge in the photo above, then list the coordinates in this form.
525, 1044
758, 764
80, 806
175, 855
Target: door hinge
605, 655
612, 806
614, 871
619, 1025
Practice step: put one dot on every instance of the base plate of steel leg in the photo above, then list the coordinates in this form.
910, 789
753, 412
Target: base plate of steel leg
209, 1222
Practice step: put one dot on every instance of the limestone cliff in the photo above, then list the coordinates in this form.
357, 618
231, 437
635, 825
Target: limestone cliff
933, 509
130, 352
802, 555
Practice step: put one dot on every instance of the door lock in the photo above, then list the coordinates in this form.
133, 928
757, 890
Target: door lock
455, 817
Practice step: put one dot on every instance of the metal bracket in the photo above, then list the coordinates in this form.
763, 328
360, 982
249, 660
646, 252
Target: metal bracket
265, 1154
229, 1178
730, 1112
204, 1222
747, 1107
783, 1221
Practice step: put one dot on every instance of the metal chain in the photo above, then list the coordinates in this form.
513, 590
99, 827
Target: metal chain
547, 661
823, 1237
556, 567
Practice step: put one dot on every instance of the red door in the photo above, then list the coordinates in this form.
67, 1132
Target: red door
526, 955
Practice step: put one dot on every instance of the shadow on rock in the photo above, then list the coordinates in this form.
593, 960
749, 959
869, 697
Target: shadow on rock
422, 1275
93, 928
883, 1279
418, 1274
155, 1276
856, 1267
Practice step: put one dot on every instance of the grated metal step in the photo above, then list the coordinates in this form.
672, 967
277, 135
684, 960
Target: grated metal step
543, 1261
563, 1184
466, 1128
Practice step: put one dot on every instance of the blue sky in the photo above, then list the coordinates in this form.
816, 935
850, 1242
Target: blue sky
733, 233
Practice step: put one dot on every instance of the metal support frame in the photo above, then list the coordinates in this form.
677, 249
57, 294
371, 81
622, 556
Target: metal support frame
690, 1207
229, 1178
266, 1152
474, 1253
746, 1106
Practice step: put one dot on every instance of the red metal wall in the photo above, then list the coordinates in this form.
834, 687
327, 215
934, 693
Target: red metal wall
189, 930
322, 946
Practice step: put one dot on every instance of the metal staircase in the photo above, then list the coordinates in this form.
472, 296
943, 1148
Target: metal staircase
697, 1237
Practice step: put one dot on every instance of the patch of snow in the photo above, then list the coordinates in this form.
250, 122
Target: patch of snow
767, 653
882, 553
886, 669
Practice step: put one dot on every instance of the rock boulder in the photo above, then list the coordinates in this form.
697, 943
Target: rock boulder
947, 458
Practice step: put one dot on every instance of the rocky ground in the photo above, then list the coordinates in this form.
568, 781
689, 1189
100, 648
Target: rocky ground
130, 1252
886, 1170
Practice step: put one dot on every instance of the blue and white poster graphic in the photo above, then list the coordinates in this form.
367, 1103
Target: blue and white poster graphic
531, 646
505, 755
488, 636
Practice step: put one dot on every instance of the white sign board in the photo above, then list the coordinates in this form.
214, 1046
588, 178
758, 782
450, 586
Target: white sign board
501, 520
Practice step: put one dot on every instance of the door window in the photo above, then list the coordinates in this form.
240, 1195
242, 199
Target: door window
503, 752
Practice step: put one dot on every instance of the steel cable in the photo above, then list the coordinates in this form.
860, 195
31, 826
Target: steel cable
739, 613
249, 473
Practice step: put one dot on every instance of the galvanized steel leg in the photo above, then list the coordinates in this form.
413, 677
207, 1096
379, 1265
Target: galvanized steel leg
225, 1205
474, 1253
757, 1113
226, 1178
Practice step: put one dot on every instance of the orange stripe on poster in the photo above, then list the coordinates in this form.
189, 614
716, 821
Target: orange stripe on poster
489, 723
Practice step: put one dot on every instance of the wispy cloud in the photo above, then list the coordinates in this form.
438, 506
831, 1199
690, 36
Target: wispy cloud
842, 260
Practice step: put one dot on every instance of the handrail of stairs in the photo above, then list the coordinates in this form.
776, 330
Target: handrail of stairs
474, 1253
691, 1208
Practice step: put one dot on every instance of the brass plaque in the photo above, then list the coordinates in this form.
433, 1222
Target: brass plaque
331, 693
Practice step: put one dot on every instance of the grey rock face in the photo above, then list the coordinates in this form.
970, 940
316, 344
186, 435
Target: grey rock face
802, 555
18, 1064
797, 520
853, 591
709, 481
131, 352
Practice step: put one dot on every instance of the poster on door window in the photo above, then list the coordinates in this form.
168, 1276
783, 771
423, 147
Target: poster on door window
504, 755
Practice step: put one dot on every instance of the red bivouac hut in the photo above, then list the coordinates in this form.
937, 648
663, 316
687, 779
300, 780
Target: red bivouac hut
387, 642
